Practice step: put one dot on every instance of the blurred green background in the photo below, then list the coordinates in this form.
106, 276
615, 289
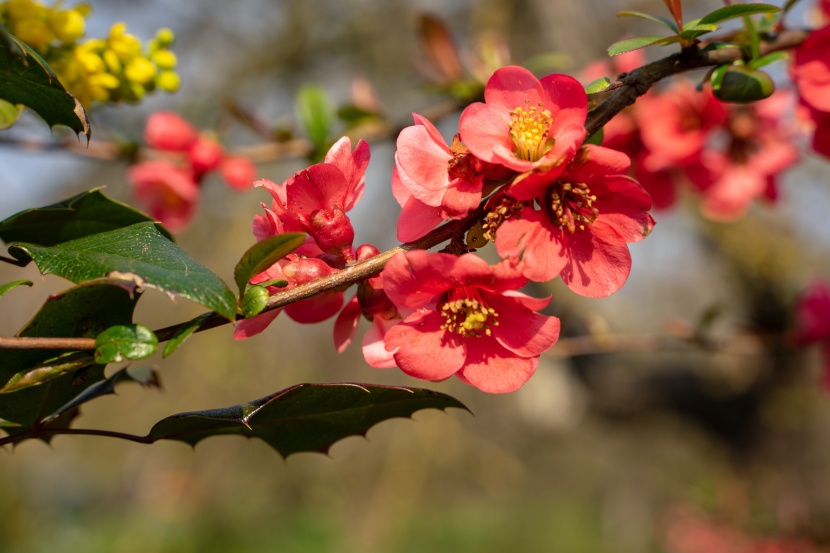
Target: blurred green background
597, 453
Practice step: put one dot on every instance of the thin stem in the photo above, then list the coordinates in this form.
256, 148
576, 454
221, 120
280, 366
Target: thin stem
74, 431
12, 261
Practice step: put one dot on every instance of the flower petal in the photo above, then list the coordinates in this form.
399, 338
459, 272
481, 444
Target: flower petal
495, 370
422, 349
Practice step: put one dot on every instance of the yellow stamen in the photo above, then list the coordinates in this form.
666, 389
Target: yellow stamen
572, 206
529, 129
468, 316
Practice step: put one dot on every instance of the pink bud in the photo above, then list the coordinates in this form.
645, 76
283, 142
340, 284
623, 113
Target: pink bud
205, 155
238, 172
333, 232
167, 131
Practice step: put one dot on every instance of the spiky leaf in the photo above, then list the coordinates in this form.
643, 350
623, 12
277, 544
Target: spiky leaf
305, 417
87, 213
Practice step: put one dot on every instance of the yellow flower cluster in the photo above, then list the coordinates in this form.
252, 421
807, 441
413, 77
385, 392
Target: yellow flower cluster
118, 68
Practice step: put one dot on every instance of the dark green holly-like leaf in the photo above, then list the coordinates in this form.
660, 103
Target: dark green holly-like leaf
138, 253
737, 10
27, 80
122, 342
184, 332
82, 215
637, 42
83, 311
9, 285
263, 254
305, 417
145, 376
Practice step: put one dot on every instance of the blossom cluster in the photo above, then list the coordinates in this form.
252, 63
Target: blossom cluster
112, 69
811, 73
169, 186
553, 205
679, 137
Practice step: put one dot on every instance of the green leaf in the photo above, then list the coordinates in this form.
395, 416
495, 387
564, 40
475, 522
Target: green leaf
316, 114
656, 18
184, 332
305, 417
254, 301
145, 376
28, 80
83, 311
48, 370
122, 342
8, 114
9, 285
263, 254
635, 43
138, 253
737, 10
598, 85
691, 32
87, 213
768, 59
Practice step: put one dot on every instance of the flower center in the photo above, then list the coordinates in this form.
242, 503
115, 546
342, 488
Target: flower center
572, 205
529, 130
466, 313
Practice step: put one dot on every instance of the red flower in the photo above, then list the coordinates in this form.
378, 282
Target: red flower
238, 172
813, 323
315, 200
587, 217
434, 182
676, 125
526, 124
167, 131
811, 73
468, 321
169, 192
811, 69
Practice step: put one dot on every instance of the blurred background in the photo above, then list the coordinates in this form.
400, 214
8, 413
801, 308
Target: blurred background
686, 424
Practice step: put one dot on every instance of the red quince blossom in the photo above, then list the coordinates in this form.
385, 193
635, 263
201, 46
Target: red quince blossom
315, 200
372, 303
433, 181
677, 124
811, 73
812, 316
468, 320
295, 270
169, 192
585, 220
239, 173
526, 124
168, 131
757, 146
